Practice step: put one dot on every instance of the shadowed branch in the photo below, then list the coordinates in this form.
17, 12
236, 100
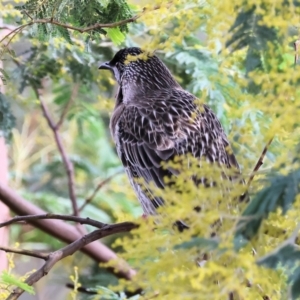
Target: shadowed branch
61, 231
70, 249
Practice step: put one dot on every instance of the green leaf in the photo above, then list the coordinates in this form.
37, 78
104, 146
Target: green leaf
64, 32
287, 258
63, 94
3, 74
286, 255
115, 35
295, 288
11, 280
7, 120
287, 61
249, 32
198, 243
281, 193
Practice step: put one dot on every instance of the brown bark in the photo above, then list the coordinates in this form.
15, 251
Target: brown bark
61, 230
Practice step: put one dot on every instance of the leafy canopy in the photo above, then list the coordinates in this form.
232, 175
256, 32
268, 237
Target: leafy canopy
237, 56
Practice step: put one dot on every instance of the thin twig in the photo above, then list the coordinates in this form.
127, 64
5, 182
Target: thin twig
70, 249
67, 162
79, 220
13, 33
7, 27
98, 187
259, 162
81, 30
40, 255
27, 14
296, 45
67, 106
86, 29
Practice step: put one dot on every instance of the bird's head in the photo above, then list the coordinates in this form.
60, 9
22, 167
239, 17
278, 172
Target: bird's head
119, 62
136, 67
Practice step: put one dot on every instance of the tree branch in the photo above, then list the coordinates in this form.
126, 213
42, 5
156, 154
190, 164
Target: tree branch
259, 162
62, 231
66, 161
81, 30
296, 47
70, 249
40, 255
13, 33
86, 221
98, 187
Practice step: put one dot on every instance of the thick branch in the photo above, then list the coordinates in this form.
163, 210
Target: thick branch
68, 250
61, 230
66, 161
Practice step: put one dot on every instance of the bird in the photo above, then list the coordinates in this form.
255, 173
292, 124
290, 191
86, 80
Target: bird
154, 120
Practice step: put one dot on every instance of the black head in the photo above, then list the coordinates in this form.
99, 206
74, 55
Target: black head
137, 70
120, 60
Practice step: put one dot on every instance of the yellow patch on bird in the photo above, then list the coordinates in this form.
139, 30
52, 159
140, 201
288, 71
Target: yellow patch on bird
145, 55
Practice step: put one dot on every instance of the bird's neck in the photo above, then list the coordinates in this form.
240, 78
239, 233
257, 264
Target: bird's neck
135, 87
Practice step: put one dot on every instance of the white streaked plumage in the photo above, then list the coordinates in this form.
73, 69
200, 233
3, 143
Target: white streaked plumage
154, 120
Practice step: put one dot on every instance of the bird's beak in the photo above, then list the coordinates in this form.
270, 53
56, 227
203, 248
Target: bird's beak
105, 66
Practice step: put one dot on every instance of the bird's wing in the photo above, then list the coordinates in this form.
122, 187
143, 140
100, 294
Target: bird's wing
162, 124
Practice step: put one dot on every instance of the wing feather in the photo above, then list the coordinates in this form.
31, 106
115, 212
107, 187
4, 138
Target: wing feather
162, 124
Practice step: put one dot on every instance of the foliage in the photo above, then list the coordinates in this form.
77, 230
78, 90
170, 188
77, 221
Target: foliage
237, 57
8, 279
80, 13
281, 193
7, 120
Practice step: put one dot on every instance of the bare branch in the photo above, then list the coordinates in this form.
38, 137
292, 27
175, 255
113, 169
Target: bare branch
40, 255
13, 33
98, 187
70, 249
62, 231
7, 27
67, 106
296, 47
86, 221
55, 217
67, 162
259, 162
